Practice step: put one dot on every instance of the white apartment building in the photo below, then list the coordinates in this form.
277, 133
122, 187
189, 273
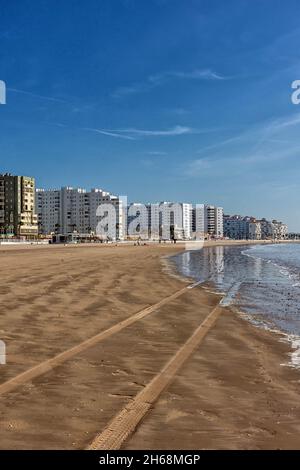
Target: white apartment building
69, 210
164, 220
219, 229
243, 228
207, 221
254, 230
138, 221
281, 230
273, 230
48, 210
106, 208
173, 220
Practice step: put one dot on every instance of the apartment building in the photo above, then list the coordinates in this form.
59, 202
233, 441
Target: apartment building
17, 206
293, 236
281, 230
48, 210
139, 221
273, 230
106, 214
254, 230
238, 227
69, 210
207, 221
163, 220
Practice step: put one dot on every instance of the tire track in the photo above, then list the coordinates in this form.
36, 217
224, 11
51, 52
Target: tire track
50, 364
124, 423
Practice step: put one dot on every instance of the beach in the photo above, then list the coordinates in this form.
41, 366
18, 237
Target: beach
234, 391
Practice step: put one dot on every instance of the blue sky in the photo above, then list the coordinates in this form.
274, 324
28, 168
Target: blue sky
157, 99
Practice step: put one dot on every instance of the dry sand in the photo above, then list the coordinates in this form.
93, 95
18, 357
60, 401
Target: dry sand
231, 393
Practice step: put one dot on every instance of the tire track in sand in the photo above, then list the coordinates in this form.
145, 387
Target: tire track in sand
50, 364
126, 421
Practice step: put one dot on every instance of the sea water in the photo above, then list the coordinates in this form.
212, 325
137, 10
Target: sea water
263, 281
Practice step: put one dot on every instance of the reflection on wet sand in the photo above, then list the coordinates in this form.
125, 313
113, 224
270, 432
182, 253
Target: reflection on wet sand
263, 281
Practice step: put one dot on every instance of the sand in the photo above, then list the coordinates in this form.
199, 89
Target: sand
232, 392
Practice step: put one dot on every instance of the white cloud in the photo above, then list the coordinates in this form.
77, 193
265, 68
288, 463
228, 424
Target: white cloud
109, 133
205, 74
278, 124
133, 133
264, 144
34, 95
173, 131
176, 130
159, 79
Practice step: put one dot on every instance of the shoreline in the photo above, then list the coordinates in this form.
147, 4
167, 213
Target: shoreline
178, 244
69, 295
292, 339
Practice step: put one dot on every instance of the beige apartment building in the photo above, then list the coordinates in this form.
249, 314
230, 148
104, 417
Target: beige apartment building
17, 207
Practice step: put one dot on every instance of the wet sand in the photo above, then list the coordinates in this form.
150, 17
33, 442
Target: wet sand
231, 393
